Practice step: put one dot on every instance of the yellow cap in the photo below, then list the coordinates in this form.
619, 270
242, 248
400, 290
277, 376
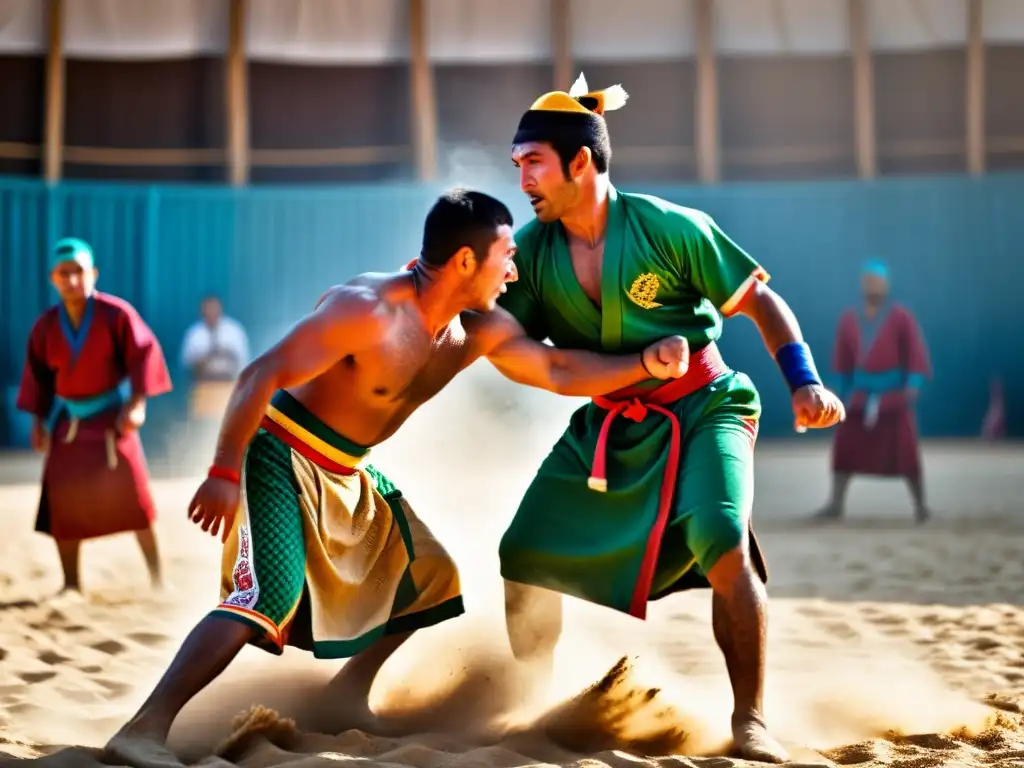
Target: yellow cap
580, 99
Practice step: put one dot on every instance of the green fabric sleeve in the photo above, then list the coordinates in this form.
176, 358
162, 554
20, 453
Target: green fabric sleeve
713, 263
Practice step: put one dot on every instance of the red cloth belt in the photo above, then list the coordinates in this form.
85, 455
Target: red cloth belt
635, 403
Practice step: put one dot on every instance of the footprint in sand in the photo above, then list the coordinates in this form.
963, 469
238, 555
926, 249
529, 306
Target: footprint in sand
149, 639
815, 611
931, 619
24, 708
46, 626
884, 619
81, 697
841, 629
115, 689
895, 630
15, 605
984, 643
36, 677
52, 658
111, 647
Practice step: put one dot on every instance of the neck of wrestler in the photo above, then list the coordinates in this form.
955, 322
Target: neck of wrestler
587, 219
438, 303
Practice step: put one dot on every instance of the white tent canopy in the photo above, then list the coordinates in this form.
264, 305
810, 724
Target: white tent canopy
374, 31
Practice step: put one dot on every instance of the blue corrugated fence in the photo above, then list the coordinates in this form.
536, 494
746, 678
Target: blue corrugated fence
952, 243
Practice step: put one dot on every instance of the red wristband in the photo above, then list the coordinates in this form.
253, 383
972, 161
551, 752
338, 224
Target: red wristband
224, 474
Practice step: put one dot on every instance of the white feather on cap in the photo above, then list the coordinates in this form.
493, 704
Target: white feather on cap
611, 98
579, 88
614, 98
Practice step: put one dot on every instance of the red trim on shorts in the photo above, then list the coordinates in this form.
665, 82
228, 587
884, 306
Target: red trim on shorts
296, 444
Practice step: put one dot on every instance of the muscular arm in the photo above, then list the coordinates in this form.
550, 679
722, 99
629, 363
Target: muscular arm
772, 316
502, 340
345, 321
812, 405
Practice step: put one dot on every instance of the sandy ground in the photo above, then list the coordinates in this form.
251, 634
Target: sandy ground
890, 645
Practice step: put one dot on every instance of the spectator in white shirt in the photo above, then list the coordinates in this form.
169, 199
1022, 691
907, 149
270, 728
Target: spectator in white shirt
215, 350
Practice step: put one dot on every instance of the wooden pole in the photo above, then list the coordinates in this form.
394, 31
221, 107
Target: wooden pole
863, 89
561, 44
424, 106
975, 88
53, 154
707, 129
237, 96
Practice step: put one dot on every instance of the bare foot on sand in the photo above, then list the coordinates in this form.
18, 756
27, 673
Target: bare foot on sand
67, 596
358, 716
753, 742
355, 713
140, 750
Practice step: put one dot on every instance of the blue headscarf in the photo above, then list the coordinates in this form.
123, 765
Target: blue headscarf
72, 249
875, 267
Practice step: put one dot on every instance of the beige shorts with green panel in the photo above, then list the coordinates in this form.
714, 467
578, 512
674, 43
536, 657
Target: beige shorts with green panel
325, 554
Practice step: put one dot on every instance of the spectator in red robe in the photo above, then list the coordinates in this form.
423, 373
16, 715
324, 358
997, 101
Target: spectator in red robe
90, 366
882, 359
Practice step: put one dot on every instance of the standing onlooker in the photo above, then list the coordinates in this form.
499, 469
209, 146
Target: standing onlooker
215, 350
91, 365
882, 358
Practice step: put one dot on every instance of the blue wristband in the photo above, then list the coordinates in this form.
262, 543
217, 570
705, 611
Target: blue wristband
797, 365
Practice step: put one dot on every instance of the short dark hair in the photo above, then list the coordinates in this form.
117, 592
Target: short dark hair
600, 150
567, 133
462, 217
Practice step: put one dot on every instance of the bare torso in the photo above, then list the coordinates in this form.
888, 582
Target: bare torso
367, 397
586, 263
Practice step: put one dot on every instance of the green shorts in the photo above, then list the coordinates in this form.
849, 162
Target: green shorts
571, 539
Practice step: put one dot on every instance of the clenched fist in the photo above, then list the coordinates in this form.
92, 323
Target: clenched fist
815, 407
668, 358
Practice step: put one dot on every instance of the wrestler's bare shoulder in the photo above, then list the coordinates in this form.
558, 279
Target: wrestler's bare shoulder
486, 330
376, 296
